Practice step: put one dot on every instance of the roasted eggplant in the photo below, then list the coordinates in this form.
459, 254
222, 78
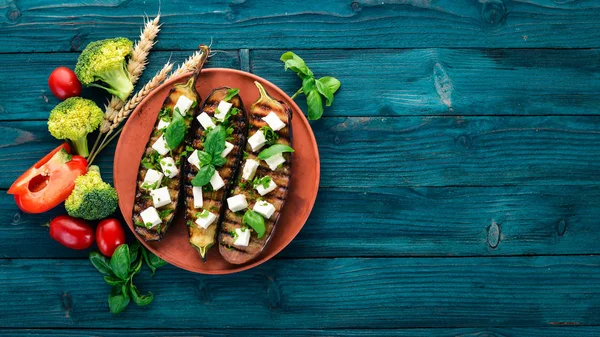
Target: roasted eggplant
261, 186
159, 178
223, 111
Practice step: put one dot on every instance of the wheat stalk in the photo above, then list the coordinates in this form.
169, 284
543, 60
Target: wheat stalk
188, 65
140, 95
135, 66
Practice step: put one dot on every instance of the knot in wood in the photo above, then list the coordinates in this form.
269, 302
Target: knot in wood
493, 12
356, 6
13, 16
493, 237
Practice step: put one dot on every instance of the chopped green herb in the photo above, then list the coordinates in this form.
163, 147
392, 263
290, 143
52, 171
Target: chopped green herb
270, 135
273, 150
231, 93
164, 213
246, 155
165, 114
264, 181
204, 214
256, 221
151, 160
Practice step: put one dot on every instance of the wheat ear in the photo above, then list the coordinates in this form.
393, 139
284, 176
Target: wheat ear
135, 66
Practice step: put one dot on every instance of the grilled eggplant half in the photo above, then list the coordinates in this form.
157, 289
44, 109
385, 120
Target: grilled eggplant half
261, 187
215, 150
159, 178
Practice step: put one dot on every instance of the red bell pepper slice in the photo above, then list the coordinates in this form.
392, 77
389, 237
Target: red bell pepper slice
49, 182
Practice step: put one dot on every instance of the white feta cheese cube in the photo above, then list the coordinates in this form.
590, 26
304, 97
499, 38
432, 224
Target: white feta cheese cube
264, 208
183, 104
274, 122
205, 121
262, 190
150, 216
257, 141
249, 169
216, 181
160, 145
242, 237
152, 179
168, 167
160, 197
237, 203
228, 148
197, 192
162, 124
205, 219
193, 159
223, 109
274, 161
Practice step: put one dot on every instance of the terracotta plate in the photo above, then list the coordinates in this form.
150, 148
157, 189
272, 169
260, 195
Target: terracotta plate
174, 248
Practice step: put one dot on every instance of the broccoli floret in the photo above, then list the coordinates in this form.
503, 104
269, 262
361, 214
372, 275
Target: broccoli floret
102, 64
73, 119
92, 198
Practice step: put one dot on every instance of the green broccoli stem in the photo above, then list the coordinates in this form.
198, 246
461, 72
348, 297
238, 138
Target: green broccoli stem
118, 82
81, 146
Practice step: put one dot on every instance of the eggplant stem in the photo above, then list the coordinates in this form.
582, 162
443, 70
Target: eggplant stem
205, 51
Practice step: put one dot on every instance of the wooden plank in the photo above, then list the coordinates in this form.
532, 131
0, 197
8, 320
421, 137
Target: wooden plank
465, 332
407, 151
37, 25
405, 82
393, 82
27, 96
378, 222
317, 294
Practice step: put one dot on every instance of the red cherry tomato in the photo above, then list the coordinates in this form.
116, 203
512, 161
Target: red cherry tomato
71, 232
109, 236
64, 83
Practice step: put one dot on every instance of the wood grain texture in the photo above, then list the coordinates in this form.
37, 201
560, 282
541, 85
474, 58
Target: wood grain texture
38, 25
324, 293
404, 82
407, 82
406, 151
387, 222
27, 96
438, 332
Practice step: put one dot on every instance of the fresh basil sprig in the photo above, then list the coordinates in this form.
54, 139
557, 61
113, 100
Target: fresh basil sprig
256, 221
210, 158
119, 270
273, 150
175, 132
312, 88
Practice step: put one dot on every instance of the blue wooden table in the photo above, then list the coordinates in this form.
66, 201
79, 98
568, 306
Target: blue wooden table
459, 192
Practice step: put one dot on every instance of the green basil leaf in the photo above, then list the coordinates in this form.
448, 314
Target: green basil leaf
119, 262
134, 250
145, 256
273, 150
175, 132
140, 299
215, 141
136, 268
326, 92
331, 82
156, 261
219, 161
117, 302
203, 176
315, 105
101, 263
113, 281
296, 64
256, 221
308, 83
204, 157
270, 135
231, 93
